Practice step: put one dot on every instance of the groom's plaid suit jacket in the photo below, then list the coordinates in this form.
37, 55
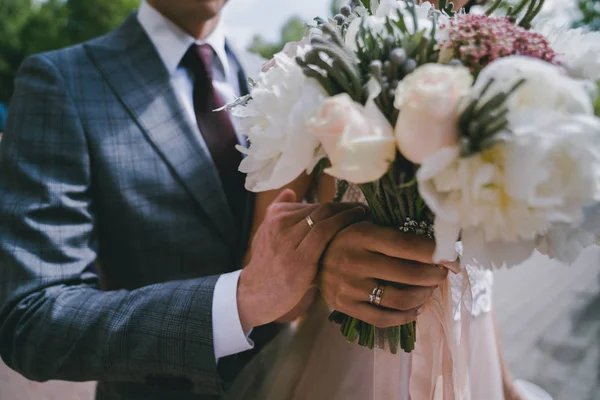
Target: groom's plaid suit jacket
99, 166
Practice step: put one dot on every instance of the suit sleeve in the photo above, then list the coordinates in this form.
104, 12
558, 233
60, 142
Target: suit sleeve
55, 323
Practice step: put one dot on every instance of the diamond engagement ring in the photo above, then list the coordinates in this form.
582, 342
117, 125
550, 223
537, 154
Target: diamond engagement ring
310, 222
375, 296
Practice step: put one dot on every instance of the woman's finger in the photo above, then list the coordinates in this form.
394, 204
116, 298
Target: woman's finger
395, 297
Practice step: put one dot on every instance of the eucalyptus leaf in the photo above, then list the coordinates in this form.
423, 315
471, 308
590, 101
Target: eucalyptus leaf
340, 190
366, 4
239, 102
447, 8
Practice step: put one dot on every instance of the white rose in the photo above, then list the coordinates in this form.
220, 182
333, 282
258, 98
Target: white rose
545, 88
359, 141
428, 101
275, 120
510, 194
578, 51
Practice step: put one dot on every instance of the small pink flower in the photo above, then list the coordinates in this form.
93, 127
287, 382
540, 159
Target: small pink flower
478, 40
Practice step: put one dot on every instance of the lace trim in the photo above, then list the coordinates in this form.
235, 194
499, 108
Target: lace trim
481, 289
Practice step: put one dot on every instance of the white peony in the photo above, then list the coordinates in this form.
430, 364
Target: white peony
591, 219
275, 120
291, 50
565, 243
578, 51
358, 139
501, 200
545, 88
428, 100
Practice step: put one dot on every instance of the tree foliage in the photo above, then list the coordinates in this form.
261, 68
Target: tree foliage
28, 27
334, 7
590, 14
292, 30
15, 14
92, 18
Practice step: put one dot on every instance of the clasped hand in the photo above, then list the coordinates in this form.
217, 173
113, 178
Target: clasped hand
345, 255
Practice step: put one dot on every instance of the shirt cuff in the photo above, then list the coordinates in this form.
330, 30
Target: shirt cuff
228, 336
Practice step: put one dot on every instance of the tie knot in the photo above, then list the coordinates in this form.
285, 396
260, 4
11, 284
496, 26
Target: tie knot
199, 58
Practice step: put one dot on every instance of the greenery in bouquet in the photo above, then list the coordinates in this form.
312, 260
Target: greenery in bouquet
382, 59
457, 126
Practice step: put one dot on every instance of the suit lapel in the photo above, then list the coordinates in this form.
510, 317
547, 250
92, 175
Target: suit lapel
128, 61
250, 197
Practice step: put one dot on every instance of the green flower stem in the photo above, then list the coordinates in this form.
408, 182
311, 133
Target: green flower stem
533, 14
494, 7
412, 10
391, 200
597, 101
337, 74
367, 4
423, 52
353, 329
400, 23
345, 61
323, 81
518, 8
530, 9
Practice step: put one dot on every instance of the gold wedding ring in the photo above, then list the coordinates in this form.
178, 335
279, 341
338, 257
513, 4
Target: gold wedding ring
376, 295
310, 222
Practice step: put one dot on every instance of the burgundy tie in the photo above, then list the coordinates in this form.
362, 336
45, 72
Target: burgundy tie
216, 126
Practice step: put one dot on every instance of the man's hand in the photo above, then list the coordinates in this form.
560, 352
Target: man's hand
301, 309
285, 256
365, 255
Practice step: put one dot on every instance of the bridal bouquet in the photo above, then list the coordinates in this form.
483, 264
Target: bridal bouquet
470, 128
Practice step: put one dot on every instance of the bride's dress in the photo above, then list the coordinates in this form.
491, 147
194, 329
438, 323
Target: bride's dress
485, 373
313, 361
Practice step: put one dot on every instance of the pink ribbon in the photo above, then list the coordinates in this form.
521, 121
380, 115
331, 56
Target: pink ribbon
437, 368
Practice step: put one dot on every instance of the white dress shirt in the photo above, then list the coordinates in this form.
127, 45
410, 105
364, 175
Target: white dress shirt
171, 44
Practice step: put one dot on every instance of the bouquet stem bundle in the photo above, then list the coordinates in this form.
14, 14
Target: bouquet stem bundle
393, 202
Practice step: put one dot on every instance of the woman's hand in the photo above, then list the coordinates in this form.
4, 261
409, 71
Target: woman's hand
365, 256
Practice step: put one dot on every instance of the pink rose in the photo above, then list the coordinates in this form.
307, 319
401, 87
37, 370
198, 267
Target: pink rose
428, 100
358, 140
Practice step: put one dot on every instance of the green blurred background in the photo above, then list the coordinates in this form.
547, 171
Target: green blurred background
28, 27
33, 26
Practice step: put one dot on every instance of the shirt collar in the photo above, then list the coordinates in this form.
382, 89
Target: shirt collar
171, 42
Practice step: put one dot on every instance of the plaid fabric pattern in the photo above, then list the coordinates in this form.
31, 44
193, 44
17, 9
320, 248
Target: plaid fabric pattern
101, 171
